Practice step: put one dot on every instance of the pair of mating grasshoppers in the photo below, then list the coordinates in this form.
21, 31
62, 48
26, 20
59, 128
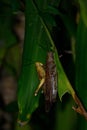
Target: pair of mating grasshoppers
48, 80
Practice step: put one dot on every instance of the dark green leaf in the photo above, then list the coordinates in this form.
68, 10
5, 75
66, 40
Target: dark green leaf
38, 42
83, 8
67, 20
81, 62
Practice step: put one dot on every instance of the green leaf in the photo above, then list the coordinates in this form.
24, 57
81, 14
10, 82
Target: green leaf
38, 42
81, 62
83, 8
36, 46
13, 58
52, 10
81, 69
65, 115
26, 127
49, 20
67, 20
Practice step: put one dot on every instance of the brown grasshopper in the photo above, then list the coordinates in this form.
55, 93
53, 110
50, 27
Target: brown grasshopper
48, 80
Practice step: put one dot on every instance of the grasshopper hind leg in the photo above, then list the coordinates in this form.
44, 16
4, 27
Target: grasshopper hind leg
39, 87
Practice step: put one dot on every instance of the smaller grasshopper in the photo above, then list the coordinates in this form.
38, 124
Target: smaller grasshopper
42, 75
48, 80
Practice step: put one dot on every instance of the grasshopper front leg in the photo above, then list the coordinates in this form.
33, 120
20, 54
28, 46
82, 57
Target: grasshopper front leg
42, 75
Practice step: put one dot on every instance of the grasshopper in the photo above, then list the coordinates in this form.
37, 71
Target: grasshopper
48, 80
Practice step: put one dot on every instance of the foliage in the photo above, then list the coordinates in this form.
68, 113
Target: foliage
36, 49
40, 38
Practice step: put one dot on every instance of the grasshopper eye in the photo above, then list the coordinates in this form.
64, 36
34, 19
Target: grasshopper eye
37, 63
